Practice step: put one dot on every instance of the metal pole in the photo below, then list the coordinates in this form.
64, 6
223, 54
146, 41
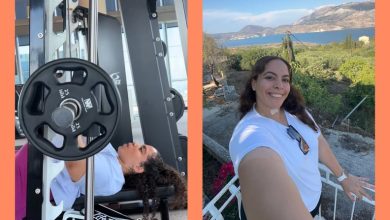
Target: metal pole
67, 45
35, 158
116, 5
182, 23
167, 60
92, 57
354, 109
92, 31
19, 70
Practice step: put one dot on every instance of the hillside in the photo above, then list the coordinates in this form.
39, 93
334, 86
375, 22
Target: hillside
329, 18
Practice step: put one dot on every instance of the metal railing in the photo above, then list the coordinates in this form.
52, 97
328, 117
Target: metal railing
326, 179
211, 210
232, 190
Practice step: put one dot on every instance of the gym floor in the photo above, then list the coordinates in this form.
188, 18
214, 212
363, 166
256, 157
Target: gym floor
173, 215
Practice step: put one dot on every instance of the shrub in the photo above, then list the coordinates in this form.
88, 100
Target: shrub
250, 56
358, 70
234, 61
317, 96
226, 172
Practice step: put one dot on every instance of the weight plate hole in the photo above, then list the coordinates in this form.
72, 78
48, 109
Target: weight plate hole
36, 98
103, 100
77, 76
93, 134
56, 140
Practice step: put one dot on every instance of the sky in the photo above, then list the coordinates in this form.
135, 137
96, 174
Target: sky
222, 16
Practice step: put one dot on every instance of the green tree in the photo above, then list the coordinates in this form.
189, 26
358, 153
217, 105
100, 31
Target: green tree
287, 47
213, 56
250, 56
317, 95
348, 42
358, 70
234, 61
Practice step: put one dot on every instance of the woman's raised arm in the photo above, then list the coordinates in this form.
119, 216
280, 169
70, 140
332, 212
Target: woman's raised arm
267, 190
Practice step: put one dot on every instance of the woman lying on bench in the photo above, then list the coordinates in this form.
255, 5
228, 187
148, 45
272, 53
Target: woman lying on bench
132, 163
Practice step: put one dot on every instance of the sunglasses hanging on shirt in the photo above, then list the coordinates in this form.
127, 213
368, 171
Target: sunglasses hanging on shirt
294, 134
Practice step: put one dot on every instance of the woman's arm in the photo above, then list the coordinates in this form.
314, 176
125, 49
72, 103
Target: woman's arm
77, 169
267, 190
351, 184
327, 157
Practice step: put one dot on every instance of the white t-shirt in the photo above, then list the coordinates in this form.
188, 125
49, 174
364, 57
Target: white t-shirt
255, 130
108, 179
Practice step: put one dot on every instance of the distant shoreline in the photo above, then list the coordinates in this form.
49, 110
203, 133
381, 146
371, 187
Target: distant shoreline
309, 38
310, 32
271, 45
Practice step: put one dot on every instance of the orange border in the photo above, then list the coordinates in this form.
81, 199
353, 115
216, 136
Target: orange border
7, 134
195, 110
7, 25
382, 150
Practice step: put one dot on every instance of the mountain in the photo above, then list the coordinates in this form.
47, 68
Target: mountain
253, 29
328, 18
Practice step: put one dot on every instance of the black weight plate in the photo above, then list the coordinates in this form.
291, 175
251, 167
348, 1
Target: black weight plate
178, 103
43, 93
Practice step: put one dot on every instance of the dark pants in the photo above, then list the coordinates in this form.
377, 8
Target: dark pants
313, 213
316, 210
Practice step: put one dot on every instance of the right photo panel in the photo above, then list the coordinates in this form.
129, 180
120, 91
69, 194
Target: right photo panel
289, 109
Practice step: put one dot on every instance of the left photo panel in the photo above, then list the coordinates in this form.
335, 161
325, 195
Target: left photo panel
100, 109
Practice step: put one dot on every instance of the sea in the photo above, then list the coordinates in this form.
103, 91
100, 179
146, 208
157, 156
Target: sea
325, 37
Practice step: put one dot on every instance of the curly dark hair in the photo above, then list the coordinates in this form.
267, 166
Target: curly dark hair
156, 173
294, 103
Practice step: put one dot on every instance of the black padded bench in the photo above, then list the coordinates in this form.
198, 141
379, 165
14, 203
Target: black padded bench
163, 193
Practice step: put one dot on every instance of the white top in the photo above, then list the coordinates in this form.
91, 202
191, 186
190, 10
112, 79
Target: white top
255, 130
108, 179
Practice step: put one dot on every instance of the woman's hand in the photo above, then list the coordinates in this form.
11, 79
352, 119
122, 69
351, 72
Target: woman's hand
81, 141
352, 184
356, 185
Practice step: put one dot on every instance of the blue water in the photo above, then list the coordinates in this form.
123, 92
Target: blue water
315, 37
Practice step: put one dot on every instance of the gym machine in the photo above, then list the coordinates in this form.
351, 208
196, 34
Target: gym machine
72, 96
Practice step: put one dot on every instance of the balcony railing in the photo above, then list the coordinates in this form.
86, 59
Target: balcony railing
232, 190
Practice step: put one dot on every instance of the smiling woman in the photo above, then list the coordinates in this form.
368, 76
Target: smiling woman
131, 156
277, 146
272, 87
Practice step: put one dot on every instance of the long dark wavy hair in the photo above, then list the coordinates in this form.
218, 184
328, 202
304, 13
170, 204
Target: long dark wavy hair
294, 103
156, 173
